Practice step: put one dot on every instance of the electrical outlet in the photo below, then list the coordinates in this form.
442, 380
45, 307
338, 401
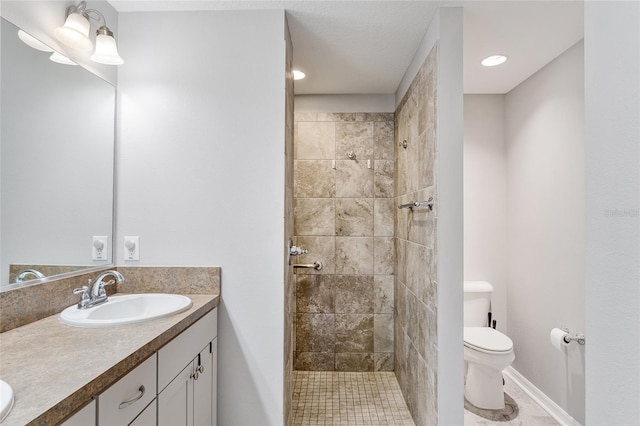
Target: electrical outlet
131, 248
100, 248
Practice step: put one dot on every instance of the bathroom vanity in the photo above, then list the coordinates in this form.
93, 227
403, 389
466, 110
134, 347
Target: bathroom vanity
162, 372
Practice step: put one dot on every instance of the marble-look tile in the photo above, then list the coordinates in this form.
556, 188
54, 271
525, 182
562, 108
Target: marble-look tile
412, 316
374, 116
421, 226
314, 361
400, 308
314, 216
354, 333
383, 253
383, 178
384, 210
353, 294
383, 140
426, 158
314, 295
354, 179
321, 249
354, 255
383, 362
431, 336
428, 113
354, 362
383, 294
402, 217
315, 141
417, 267
305, 116
356, 137
383, 333
354, 217
336, 116
315, 332
314, 179
400, 270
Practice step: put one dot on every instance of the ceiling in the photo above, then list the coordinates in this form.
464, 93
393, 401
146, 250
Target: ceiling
364, 47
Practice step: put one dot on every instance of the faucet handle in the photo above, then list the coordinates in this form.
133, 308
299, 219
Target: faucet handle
84, 298
101, 290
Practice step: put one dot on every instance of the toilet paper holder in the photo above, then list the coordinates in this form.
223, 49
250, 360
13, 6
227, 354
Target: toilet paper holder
568, 338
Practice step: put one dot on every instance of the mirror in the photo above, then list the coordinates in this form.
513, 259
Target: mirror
57, 125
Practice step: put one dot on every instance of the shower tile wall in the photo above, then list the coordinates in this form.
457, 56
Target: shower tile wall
289, 283
344, 215
416, 339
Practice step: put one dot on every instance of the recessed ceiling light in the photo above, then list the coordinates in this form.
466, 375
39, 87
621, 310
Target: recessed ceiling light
492, 61
298, 75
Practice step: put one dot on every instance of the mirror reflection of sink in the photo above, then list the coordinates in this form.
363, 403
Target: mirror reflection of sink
6, 399
126, 309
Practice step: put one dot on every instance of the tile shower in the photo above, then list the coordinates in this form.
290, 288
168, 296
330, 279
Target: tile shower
344, 214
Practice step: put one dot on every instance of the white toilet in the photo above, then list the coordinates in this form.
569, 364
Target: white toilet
486, 351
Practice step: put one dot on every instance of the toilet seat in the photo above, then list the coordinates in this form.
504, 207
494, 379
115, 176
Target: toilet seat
487, 340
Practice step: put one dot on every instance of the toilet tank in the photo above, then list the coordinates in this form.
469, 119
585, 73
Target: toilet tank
477, 303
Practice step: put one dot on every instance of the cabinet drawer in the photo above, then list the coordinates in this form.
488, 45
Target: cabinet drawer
123, 401
180, 351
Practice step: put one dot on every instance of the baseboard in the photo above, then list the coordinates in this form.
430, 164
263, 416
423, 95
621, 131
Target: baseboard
539, 397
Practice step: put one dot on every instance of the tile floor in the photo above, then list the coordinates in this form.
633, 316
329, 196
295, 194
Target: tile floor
335, 398
530, 413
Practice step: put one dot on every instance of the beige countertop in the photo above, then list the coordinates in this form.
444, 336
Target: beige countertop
55, 369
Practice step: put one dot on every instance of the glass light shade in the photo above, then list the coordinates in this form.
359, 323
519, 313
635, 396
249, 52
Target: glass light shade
106, 51
61, 59
75, 32
33, 42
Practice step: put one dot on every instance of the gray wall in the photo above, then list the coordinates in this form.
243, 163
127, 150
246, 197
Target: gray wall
612, 154
201, 178
485, 198
545, 192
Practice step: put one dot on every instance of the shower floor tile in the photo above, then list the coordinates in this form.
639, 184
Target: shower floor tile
337, 398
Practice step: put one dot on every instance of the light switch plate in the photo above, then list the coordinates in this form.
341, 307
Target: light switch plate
100, 248
131, 248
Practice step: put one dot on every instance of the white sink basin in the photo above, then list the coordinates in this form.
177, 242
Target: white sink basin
6, 399
126, 309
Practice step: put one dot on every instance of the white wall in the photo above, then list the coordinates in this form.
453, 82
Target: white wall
485, 198
201, 178
446, 29
544, 125
612, 152
41, 18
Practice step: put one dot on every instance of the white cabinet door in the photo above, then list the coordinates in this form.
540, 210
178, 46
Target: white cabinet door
203, 388
214, 382
175, 402
148, 416
85, 417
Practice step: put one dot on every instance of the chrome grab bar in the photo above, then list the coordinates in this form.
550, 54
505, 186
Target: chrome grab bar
317, 265
429, 203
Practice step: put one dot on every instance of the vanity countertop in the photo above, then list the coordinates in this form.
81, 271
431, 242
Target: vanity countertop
55, 369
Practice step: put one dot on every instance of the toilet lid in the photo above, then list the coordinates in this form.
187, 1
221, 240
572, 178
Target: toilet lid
487, 339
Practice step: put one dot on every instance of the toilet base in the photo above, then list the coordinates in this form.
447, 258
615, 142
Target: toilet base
483, 387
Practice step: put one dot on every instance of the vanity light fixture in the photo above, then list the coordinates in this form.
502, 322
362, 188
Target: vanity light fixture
33, 42
61, 59
298, 75
493, 60
75, 34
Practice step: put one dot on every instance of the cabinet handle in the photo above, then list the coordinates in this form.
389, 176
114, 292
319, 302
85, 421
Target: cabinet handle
200, 369
125, 404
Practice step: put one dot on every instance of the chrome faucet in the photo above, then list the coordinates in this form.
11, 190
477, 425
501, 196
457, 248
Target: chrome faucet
24, 273
94, 293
